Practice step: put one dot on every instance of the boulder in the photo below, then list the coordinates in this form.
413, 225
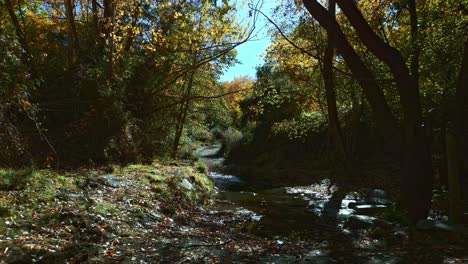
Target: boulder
377, 196
112, 181
319, 256
429, 224
377, 193
359, 222
369, 209
186, 184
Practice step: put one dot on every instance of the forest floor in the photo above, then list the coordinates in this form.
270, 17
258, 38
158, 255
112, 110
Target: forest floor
157, 214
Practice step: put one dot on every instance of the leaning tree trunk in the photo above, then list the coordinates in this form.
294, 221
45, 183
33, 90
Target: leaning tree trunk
182, 116
386, 122
69, 7
417, 174
21, 35
338, 146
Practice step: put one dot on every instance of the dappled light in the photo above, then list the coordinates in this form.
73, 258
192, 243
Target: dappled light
126, 138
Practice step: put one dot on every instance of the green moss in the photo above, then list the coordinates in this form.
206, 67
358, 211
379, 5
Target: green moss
201, 166
140, 214
4, 211
14, 179
168, 181
169, 185
106, 208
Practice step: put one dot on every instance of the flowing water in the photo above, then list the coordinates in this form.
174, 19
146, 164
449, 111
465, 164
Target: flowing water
340, 227
277, 212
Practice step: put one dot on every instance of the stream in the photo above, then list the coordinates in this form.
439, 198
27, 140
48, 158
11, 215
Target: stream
277, 213
328, 225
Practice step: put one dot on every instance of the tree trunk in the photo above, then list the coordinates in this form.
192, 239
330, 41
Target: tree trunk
180, 122
336, 136
94, 7
74, 43
358, 109
109, 35
417, 176
19, 33
461, 120
415, 47
386, 122
453, 169
130, 32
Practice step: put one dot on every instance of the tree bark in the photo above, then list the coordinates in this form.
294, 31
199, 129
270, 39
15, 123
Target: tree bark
94, 7
109, 36
180, 122
386, 122
26, 56
453, 169
74, 43
358, 109
19, 32
417, 176
338, 144
461, 120
415, 47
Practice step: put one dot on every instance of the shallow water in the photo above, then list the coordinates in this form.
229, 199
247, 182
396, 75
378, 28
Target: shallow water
283, 214
339, 231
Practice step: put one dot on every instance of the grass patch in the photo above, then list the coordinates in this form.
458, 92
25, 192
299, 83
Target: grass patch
11, 180
58, 210
201, 166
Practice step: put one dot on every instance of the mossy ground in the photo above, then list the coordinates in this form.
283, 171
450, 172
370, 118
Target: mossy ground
152, 214
52, 217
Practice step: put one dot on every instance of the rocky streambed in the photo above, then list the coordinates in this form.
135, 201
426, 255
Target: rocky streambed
326, 225
160, 213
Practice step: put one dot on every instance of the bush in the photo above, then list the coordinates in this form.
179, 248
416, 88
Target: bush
231, 137
200, 133
301, 126
13, 180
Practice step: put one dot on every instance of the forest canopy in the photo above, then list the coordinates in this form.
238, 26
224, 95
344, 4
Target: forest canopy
120, 143
87, 83
99, 81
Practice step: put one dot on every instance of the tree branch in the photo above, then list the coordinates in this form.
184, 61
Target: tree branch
303, 50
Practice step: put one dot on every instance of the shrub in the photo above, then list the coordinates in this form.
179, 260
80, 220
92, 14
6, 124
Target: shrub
201, 166
13, 180
231, 138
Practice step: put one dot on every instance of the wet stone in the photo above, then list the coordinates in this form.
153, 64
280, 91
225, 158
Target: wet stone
369, 209
186, 184
318, 256
316, 204
279, 260
380, 201
377, 193
112, 181
358, 222
222, 180
383, 260
438, 225
400, 234
376, 196
248, 214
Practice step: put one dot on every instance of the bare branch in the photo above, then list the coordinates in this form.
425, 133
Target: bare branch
303, 50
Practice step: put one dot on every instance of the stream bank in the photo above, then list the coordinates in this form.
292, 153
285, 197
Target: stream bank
339, 227
161, 213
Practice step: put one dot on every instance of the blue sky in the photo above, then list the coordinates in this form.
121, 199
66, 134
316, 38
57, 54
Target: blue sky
249, 54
